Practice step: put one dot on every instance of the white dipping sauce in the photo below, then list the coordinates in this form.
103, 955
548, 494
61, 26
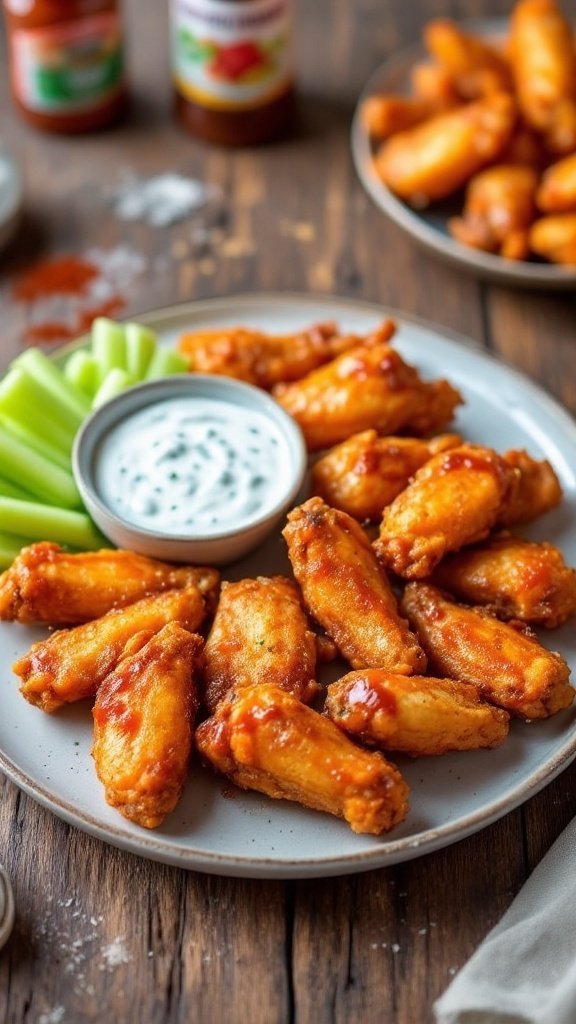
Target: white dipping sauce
192, 466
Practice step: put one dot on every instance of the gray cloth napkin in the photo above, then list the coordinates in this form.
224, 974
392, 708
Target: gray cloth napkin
525, 970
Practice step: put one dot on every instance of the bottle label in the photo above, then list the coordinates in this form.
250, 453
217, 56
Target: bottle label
69, 67
231, 55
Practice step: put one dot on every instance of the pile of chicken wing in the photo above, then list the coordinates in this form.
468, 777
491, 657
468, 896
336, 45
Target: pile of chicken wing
497, 118
402, 565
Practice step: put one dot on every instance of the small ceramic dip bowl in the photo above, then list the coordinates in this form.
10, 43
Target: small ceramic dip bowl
193, 468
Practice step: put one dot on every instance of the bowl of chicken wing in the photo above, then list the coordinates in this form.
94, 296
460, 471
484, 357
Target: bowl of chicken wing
468, 143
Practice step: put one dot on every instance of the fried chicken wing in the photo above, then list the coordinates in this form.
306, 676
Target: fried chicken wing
384, 115
433, 84
415, 715
453, 500
365, 473
476, 68
536, 489
46, 584
71, 663
434, 159
543, 61
554, 238
498, 211
518, 579
368, 387
509, 667
557, 191
264, 738
260, 635
346, 590
143, 720
263, 359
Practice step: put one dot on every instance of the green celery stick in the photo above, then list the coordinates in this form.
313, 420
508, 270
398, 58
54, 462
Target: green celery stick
164, 363
140, 347
108, 345
50, 377
46, 448
24, 399
10, 490
43, 478
10, 548
115, 381
45, 522
82, 370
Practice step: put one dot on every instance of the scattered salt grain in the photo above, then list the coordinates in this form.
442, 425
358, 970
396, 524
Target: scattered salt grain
115, 954
53, 1017
395, 947
163, 199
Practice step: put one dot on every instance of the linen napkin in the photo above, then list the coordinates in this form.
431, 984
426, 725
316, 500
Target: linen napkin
524, 972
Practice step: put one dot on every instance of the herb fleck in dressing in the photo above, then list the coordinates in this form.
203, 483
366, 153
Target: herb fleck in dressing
198, 466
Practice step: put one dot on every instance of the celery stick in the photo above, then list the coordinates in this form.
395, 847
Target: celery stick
45, 522
24, 466
140, 347
108, 345
166, 362
50, 377
23, 398
10, 548
46, 448
114, 382
10, 490
82, 370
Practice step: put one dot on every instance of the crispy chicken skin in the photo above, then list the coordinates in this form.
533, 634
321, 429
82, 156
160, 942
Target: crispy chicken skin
453, 500
476, 68
543, 61
369, 387
260, 635
557, 191
346, 590
498, 211
554, 238
71, 663
365, 473
415, 715
263, 359
46, 584
536, 489
509, 667
143, 722
518, 579
436, 158
264, 738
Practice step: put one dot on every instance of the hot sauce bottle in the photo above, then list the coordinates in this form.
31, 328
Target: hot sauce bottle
232, 68
66, 62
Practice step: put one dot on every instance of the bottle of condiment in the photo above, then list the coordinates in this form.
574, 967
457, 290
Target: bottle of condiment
232, 69
66, 62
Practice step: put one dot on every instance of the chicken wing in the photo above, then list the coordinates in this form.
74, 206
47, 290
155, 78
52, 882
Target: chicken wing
365, 473
46, 584
264, 738
368, 387
554, 238
434, 159
453, 500
384, 115
517, 578
557, 191
498, 211
476, 68
346, 591
509, 667
415, 715
260, 635
433, 84
263, 359
71, 663
143, 720
535, 490
543, 61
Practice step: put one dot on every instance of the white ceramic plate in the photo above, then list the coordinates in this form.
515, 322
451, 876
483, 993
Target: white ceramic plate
429, 227
247, 834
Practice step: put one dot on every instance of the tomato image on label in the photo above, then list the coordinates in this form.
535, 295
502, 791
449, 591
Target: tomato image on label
238, 61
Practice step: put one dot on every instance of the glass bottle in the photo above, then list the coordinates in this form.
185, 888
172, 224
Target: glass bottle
232, 69
66, 62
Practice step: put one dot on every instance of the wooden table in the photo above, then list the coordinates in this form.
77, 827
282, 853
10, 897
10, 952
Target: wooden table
106, 936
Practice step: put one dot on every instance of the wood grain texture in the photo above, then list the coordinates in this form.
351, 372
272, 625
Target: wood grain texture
105, 936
